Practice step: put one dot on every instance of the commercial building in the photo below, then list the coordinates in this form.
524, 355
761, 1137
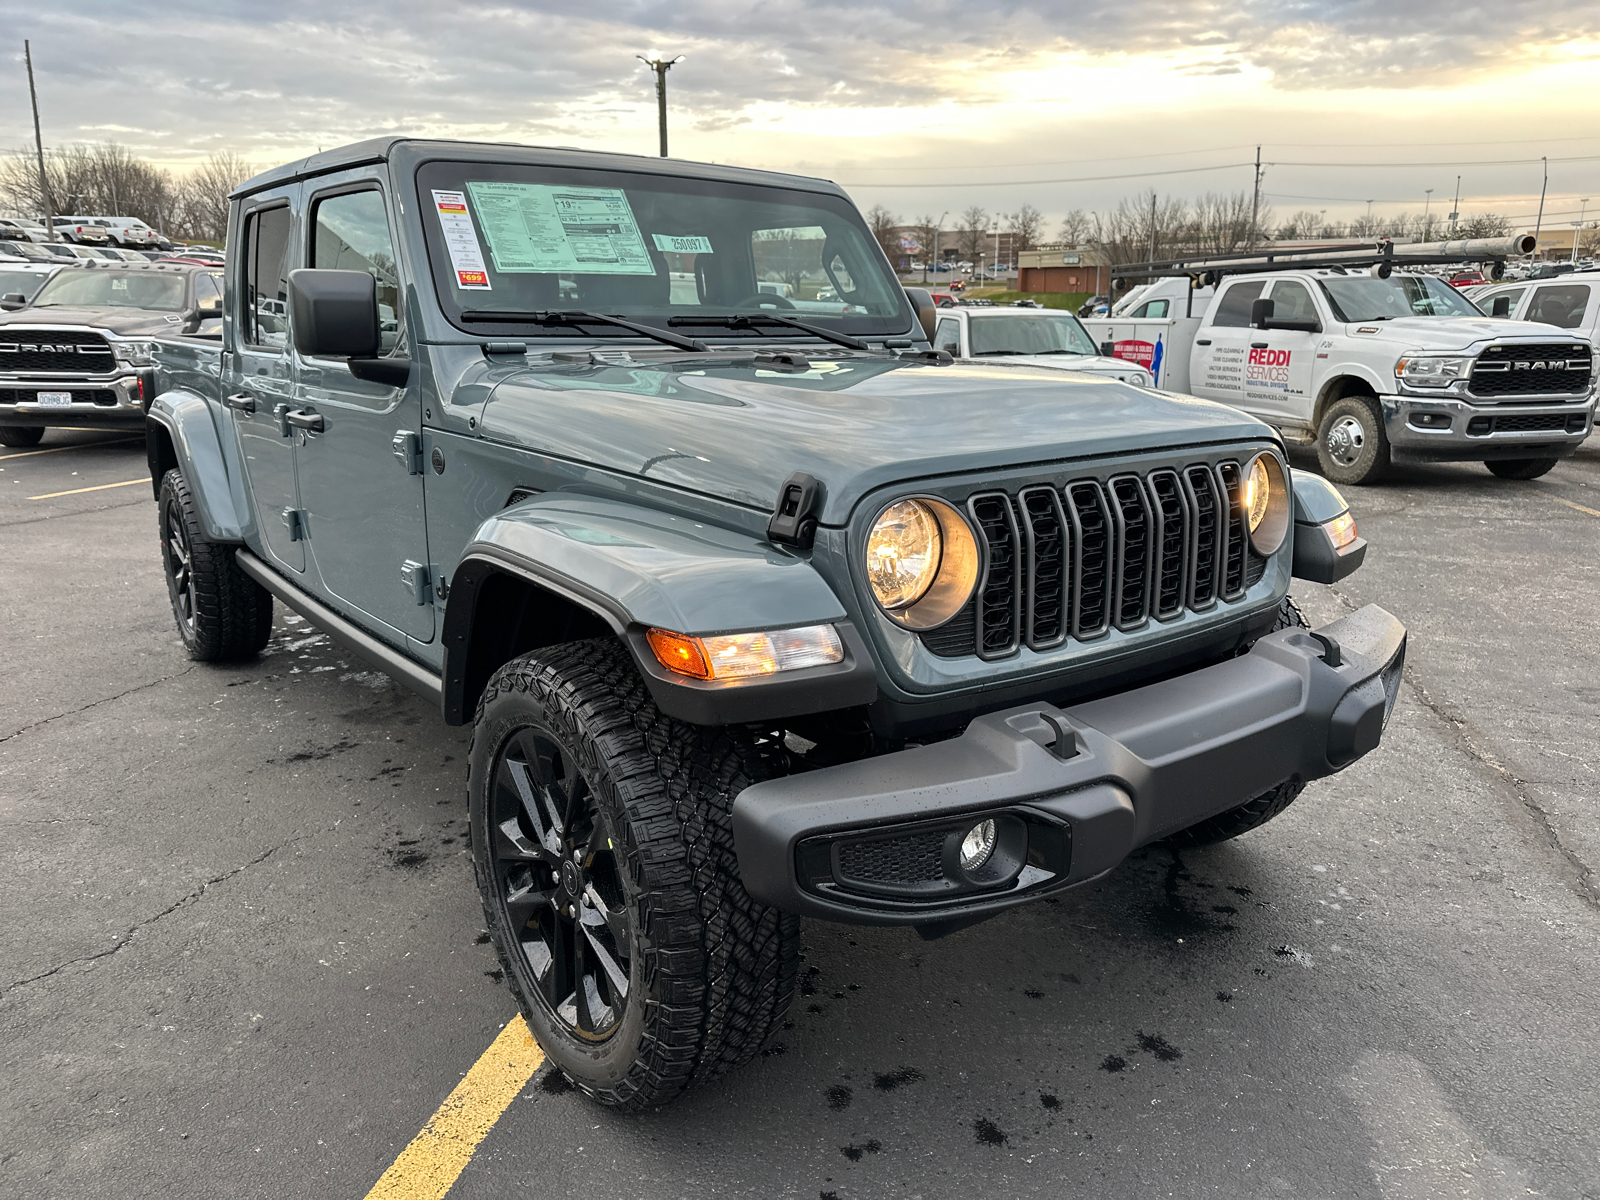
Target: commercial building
1062, 268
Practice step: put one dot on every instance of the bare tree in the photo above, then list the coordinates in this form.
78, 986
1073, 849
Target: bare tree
1025, 225
885, 227
1222, 221
203, 196
1482, 225
925, 230
1075, 226
969, 238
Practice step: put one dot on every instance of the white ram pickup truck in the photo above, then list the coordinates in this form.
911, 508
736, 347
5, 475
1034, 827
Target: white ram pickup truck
1369, 367
1029, 337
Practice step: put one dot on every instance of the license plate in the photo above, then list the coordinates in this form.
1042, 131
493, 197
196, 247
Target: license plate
53, 399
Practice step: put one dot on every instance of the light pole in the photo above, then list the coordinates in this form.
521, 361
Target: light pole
935, 255
1427, 200
661, 68
1538, 223
1577, 228
1455, 208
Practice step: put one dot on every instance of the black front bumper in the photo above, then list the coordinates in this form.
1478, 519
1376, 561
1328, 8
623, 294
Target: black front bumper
1073, 791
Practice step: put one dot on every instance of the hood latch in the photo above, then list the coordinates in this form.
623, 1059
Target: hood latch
794, 520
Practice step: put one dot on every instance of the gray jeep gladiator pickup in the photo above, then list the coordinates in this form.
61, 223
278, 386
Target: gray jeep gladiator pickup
760, 607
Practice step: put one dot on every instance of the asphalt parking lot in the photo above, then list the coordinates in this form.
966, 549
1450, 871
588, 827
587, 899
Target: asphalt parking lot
242, 953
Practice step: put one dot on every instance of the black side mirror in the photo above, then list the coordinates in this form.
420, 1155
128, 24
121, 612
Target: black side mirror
12, 301
1108, 350
1260, 312
1501, 307
334, 314
922, 304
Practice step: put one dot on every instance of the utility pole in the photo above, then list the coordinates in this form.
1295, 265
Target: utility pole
661, 67
38, 145
1539, 221
1428, 194
1577, 228
1255, 204
1152, 257
1455, 208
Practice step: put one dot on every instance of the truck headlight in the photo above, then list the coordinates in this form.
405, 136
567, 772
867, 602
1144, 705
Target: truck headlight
1432, 370
133, 354
921, 561
1266, 503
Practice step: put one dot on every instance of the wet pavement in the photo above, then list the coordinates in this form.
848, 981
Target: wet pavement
243, 953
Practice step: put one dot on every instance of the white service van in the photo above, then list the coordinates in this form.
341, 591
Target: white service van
1366, 367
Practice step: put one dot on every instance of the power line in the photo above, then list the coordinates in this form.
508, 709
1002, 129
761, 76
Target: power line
1074, 179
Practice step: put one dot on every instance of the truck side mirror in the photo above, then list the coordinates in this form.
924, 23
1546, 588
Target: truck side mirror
1108, 350
922, 304
1501, 307
334, 314
1261, 311
12, 301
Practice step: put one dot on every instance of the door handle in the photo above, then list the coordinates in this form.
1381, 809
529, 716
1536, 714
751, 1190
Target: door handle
243, 401
1202, 341
304, 418
1258, 345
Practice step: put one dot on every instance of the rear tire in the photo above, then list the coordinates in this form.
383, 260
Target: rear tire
1253, 813
1521, 468
1352, 445
223, 615
604, 854
21, 435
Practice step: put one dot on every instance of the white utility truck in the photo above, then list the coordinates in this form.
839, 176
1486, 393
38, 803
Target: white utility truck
1365, 360
1029, 337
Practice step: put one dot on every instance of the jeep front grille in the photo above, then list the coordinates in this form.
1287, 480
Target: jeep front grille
1532, 369
1077, 561
56, 351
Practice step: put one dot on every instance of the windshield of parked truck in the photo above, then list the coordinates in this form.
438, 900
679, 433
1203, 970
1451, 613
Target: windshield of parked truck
112, 289
24, 283
508, 241
1364, 298
1006, 334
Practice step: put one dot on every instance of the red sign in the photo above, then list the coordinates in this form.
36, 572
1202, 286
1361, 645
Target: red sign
473, 278
1269, 358
1142, 353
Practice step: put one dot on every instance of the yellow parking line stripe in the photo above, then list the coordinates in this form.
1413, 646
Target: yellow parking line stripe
429, 1167
99, 488
75, 446
1593, 512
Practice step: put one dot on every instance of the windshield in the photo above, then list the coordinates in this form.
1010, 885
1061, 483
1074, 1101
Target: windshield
1057, 333
25, 282
113, 289
520, 239
1363, 298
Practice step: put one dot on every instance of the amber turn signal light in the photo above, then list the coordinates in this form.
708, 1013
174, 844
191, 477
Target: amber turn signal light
678, 653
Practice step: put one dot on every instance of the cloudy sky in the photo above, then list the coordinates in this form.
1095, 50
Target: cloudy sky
923, 106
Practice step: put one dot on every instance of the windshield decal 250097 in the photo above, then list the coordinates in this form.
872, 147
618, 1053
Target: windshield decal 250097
545, 229
461, 239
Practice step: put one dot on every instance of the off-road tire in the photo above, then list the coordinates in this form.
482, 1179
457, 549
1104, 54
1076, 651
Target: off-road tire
1344, 463
1521, 468
1263, 808
21, 435
222, 614
711, 972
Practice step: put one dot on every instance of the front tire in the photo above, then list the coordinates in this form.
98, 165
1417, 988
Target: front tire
1521, 468
21, 435
223, 615
1352, 444
604, 855
1253, 813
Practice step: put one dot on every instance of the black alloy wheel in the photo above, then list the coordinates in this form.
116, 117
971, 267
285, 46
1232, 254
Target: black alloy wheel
560, 885
222, 614
177, 559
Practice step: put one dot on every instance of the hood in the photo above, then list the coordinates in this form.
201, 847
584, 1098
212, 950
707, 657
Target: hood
1092, 364
1456, 333
736, 431
125, 322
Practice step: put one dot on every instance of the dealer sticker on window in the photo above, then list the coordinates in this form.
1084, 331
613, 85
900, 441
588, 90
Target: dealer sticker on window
461, 240
544, 228
671, 243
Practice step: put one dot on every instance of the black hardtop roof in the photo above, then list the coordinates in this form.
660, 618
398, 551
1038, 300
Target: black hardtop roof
418, 150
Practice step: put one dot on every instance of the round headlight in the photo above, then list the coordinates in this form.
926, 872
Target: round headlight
922, 562
903, 552
1266, 503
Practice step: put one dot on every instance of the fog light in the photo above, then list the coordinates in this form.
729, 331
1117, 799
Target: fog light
978, 845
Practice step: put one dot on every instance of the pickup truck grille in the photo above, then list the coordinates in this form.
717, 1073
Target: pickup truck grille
58, 351
1533, 369
1077, 561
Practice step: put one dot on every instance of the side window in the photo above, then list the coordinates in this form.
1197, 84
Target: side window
947, 336
266, 278
1560, 304
1234, 307
1292, 300
1154, 309
208, 293
351, 233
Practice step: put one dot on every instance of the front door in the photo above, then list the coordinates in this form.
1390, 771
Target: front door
1222, 348
360, 480
1278, 368
258, 385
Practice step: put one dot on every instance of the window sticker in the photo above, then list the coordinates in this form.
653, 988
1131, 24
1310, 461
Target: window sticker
461, 239
673, 244
544, 228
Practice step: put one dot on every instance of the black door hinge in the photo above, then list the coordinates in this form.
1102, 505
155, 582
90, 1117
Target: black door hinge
794, 520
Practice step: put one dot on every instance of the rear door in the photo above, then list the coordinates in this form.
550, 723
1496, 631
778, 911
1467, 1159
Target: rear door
1222, 346
360, 473
258, 379
1564, 305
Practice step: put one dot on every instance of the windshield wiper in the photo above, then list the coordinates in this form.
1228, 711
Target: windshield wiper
576, 317
751, 320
